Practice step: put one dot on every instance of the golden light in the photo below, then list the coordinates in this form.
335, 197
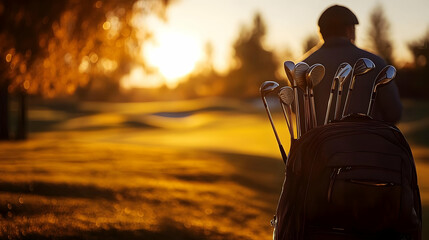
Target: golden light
174, 54
138, 78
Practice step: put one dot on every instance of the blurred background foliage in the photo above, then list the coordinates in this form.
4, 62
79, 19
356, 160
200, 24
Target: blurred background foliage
80, 50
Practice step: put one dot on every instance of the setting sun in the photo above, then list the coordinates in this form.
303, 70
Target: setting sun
174, 54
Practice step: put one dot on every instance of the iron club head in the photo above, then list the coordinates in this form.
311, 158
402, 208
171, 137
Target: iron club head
315, 74
384, 76
362, 66
267, 87
289, 66
286, 95
299, 73
343, 74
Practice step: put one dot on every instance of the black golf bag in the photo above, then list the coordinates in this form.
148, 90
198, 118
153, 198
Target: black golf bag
350, 179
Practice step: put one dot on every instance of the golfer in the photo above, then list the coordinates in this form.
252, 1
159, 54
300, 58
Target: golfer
337, 29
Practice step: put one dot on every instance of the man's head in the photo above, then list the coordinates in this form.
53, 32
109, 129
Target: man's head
338, 21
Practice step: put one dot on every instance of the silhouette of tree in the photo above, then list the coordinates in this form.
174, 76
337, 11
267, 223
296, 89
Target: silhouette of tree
55, 47
420, 50
253, 63
379, 34
413, 82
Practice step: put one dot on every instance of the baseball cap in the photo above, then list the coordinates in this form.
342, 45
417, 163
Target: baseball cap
336, 15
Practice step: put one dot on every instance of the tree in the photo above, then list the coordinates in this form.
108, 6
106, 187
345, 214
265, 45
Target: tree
55, 47
253, 63
413, 81
379, 34
420, 50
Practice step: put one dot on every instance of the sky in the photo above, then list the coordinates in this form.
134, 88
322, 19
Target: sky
288, 22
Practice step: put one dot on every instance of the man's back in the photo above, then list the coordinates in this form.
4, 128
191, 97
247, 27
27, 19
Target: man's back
338, 50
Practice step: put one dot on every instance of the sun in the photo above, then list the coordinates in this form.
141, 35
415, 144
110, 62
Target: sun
174, 54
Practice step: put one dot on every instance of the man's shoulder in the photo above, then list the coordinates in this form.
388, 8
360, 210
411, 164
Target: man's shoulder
351, 51
375, 58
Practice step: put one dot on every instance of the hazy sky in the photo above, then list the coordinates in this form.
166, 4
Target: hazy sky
289, 22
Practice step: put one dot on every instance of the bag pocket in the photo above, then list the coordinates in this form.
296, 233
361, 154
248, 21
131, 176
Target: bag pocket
364, 191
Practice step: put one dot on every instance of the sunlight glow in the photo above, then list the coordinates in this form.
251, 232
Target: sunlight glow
174, 54
138, 78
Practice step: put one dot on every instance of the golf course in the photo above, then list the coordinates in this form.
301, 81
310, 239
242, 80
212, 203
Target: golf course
196, 169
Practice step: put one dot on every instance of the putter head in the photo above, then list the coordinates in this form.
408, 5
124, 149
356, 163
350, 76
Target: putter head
286, 95
315, 74
386, 75
299, 74
267, 87
343, 74
289, 66
362, 66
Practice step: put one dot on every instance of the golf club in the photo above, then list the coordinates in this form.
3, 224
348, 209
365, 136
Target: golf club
266, 88
289, 67
333, 86
314, 75
341, 80
286, 96
299, 73
362, 66
384, 76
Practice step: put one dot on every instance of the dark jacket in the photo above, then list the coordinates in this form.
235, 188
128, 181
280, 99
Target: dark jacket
331, 54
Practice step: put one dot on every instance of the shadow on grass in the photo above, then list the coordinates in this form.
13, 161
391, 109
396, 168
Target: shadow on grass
58, 190
261, 174
73, 190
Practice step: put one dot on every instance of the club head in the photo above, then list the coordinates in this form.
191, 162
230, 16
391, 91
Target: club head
289, 66
386, 75
362, 66
286, 95
267, 87
315, 74
343, 74
340, 68
337, 74
299, 73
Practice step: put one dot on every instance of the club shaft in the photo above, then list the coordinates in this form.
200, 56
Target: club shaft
282, 151
347, 102
338, 104
306, 121
328, 108
313, 109
371, 103
297, 115
289, 114
287, 118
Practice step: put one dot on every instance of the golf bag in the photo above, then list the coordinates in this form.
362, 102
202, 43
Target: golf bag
350, 179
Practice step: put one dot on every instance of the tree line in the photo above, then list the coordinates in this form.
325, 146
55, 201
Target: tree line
255, 64
82, 48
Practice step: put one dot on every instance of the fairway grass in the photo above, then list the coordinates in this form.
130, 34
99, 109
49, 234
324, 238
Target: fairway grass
191, 170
